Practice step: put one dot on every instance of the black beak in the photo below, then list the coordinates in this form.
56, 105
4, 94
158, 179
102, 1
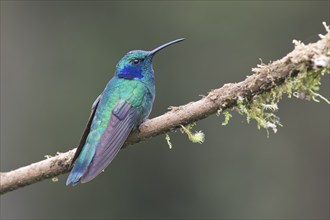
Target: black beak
154, 51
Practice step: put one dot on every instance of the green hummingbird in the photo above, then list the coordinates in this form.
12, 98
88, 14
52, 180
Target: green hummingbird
123, 105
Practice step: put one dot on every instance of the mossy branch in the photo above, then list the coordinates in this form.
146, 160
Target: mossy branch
297, 74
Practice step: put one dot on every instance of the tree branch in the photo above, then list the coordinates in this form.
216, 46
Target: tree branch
313, 57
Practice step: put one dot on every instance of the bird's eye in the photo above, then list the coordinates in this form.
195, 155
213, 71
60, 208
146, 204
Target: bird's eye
136, 61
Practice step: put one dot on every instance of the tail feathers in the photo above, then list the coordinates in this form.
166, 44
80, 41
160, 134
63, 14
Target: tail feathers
81, 165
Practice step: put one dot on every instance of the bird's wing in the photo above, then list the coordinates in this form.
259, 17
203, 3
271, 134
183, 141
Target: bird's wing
121, 123
87, 129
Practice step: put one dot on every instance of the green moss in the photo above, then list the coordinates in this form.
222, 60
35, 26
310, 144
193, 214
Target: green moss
307, 83
197, 137
168, 140
227, 117
262, 107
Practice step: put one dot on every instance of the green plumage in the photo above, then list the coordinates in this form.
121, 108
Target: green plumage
123, 105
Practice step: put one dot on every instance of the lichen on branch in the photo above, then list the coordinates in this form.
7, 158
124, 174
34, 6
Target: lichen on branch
309, 64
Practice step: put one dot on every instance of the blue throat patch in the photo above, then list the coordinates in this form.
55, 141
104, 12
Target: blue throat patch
130, 72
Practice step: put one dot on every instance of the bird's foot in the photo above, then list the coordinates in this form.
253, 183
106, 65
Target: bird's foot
138, 127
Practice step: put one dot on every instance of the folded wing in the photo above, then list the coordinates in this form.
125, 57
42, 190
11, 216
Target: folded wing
121, 123
87, 129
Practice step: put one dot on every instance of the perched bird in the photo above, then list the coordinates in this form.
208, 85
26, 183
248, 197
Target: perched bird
123, 105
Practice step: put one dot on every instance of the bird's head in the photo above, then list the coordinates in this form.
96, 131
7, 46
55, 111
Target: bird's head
138, 63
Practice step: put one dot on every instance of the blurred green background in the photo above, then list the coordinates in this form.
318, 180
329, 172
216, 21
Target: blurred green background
57, 56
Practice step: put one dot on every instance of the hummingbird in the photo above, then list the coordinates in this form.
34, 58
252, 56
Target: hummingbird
122, 107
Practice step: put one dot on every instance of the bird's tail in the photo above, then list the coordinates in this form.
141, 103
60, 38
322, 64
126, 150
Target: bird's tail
81, 164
